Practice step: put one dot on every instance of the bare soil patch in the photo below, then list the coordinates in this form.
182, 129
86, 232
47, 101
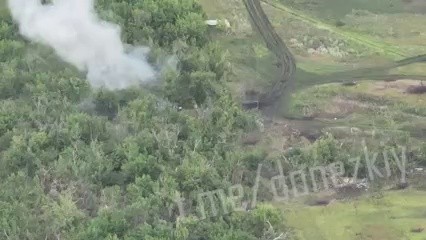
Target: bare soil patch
417, 6
398, 86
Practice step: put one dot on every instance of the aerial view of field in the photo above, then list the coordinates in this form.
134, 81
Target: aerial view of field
335, 42
213, 119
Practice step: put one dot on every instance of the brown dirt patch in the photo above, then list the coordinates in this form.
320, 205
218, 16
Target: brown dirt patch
416, 89
378, 232
417, 6
340, 107
280, 134
399, 86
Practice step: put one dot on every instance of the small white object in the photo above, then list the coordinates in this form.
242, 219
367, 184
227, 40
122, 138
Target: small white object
293, 41
216, 22
212, 22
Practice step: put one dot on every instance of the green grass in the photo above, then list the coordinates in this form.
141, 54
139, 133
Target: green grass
402, 29
371, 105
254, 66
333, 10
346, 34
324, 67
3, 8
416, 69
389, 218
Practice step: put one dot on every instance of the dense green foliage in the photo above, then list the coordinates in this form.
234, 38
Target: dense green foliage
80, 163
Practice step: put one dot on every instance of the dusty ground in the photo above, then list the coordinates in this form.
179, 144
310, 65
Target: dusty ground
418, 6
399, 86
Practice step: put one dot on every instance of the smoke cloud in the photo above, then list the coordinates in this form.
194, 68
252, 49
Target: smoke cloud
79, 37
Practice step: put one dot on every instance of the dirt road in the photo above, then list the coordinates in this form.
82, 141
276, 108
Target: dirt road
286, 60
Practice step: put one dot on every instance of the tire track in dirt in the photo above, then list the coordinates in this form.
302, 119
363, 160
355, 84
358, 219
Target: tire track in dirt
283, 86
276, 45
287, 63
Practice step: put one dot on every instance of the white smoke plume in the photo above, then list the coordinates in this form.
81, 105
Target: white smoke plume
79, 37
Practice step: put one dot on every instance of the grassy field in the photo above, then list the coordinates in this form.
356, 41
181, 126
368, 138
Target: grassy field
3, 8
371, 105
391, 217
335, 9
346, 34
254, 65
382, 31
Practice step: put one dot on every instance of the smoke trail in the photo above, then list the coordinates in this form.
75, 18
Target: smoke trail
79, 37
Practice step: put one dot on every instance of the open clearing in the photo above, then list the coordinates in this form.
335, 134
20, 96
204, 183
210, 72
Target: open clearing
393, 216
306, 30
376, 33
